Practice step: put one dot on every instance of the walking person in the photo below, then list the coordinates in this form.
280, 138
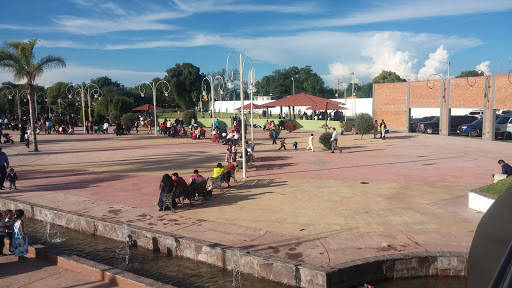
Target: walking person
375, 129
283, 144
383, 128
311, 143
334, 141
274, 137
150, 125
4, 164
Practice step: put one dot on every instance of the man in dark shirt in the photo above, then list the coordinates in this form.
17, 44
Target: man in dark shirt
4, 165
505, 168
178, 181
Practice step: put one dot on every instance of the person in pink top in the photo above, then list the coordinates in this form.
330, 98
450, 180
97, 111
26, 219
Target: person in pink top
197, 177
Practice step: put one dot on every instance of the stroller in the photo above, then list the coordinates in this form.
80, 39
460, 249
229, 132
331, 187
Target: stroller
7, 139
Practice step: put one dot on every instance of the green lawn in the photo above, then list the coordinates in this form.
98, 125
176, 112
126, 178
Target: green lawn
497, 188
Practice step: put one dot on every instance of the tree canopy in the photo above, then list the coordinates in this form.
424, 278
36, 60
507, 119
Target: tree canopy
387, 77
470, 73
185, 81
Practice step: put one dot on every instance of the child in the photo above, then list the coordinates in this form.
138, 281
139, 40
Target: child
295, 145
19, 239
9, 227
283, 144
229, 155
2, 236
12, 178
231, 169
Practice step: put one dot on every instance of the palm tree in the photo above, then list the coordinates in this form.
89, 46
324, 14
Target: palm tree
18, 58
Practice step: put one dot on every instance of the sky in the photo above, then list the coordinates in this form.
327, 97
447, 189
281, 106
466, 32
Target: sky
132, 41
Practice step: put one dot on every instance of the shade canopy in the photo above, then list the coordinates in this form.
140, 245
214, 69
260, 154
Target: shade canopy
301, 99
147, 107
327, 106
248, 107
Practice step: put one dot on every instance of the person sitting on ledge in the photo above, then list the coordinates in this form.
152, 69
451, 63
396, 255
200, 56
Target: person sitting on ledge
506, 170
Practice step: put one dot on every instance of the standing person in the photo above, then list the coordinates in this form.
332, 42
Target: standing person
229, 155
283, 144
4, 165
334, 141
150, 125
91, 126
12, 178
19, 238
375, 129
119, 129
166, 186
136, 125
311, 143
274, 137
9, 227
383, 129
105, 126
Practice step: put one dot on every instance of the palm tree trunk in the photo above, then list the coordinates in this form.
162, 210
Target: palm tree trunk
30, 92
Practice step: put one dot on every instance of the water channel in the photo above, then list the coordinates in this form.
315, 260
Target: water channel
177, 271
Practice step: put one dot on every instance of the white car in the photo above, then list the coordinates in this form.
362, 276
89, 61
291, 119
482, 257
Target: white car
504, 127
477, 113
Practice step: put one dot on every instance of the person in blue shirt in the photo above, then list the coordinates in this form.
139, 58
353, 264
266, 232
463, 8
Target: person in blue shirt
505, 168
4, 165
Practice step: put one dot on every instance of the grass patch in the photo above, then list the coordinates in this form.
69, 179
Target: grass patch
497, 188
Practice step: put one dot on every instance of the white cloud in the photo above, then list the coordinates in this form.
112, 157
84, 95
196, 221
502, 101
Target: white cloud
484, 66
201, 6
435, 64
386, 11
78, 74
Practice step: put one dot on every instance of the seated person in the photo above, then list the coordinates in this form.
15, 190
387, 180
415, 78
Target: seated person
231, 171
202, 132
194, 135
215, 137
198, 178
506, 170
71, 130
217, 171
182, 132
166, 186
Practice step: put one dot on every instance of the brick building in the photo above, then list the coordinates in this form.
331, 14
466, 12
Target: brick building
394, 101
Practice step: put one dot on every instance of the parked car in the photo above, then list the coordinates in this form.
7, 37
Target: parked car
473, 129
415, 122
477, 113
504, 127
455, 121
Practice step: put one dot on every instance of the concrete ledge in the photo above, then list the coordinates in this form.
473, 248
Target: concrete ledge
293, 273
480, 202
96, 270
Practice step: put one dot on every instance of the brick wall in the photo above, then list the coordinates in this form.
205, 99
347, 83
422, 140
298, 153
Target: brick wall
391, 98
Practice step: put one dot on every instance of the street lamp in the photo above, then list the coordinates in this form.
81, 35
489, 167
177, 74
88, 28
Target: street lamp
82, 88
153, 86
212, 80
36, 94
293, 85
252, 89
353, 92
474, 80
230, 85
13, 92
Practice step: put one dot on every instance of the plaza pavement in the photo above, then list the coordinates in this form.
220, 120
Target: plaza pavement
407, 193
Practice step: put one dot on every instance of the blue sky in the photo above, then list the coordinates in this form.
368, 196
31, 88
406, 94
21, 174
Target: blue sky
136, 40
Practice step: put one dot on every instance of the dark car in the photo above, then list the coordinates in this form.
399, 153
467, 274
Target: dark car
415, 122
473, 129
455, 121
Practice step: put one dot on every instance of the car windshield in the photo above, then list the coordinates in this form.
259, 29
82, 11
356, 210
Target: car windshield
477, 121
503, 120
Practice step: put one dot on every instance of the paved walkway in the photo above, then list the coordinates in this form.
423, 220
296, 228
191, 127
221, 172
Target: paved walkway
407, 193
37, 273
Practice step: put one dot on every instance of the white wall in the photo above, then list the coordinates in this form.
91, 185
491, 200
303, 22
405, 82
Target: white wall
363, 105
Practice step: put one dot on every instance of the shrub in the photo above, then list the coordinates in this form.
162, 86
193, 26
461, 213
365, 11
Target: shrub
278, 132
325, 140
129, 119
114, 116
364, 123
290, 126
187, 117
57, 121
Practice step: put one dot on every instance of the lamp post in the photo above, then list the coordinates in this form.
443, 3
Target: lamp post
153, 86
353, 92
229, 83
293, 85
252, 89
82, 89
35, 99
13, 92
212, 80
443, 96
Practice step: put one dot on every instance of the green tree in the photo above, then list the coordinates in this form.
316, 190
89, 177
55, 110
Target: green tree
105, 81
18, 58
388, 77
364, 123
185, 81
56, 92
113, 117
470, 73
129, 119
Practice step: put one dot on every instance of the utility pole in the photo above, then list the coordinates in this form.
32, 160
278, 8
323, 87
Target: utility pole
448, 68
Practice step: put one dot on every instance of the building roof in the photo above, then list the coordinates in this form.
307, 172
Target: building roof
327, 106
146, 107
301, 99
248, 106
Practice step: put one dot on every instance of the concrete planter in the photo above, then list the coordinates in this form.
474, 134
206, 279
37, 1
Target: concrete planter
480, 202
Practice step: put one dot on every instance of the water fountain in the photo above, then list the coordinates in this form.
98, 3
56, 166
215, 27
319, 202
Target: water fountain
124, 249
236, 268
52, 234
